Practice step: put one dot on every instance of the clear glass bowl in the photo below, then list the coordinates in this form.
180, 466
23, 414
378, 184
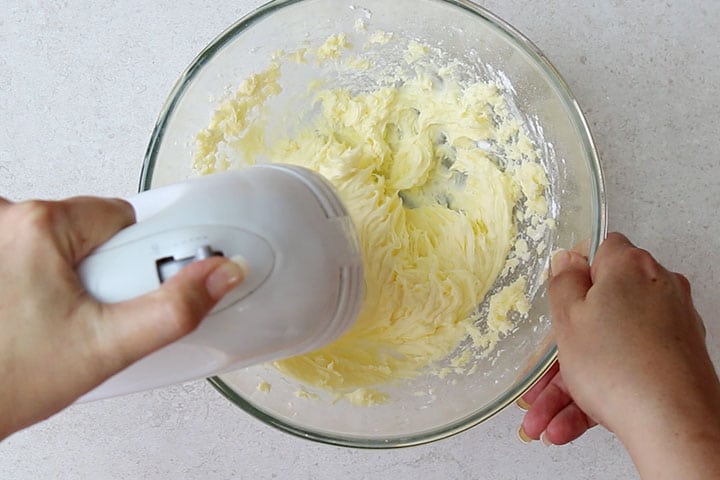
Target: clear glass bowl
491, 49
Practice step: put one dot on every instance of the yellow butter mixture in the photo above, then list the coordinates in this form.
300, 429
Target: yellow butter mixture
435, 172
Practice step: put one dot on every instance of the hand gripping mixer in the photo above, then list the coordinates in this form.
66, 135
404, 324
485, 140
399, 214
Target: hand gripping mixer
303, 288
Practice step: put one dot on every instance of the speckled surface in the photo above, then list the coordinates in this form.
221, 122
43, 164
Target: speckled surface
82, 82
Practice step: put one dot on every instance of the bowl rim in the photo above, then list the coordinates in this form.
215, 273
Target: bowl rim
599, 232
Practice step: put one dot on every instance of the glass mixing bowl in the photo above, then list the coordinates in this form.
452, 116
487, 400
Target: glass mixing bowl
491, 50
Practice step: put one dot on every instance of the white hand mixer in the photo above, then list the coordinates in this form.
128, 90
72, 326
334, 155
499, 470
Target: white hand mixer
304, 285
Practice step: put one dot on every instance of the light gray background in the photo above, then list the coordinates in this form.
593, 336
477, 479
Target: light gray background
82, 82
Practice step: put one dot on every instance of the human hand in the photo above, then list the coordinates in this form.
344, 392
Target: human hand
58, 343
632, 356
553, 416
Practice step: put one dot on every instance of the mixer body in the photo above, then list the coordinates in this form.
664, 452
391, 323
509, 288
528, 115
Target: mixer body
304, 284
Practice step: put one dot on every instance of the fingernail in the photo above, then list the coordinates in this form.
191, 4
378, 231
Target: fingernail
242, 263
545, 440
522, 404
226, 277
560, 262
524, 437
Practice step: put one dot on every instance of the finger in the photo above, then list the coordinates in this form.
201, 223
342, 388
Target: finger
549, 403
567, 425
683, 283
4, 202
569, 283
615, 240
583, 248
131, 330
528, 398
614, 244
90, 221
700, 324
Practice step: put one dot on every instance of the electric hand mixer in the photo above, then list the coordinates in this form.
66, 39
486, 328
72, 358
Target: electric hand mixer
303, 288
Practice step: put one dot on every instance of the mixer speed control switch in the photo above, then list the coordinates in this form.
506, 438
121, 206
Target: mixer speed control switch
170, 266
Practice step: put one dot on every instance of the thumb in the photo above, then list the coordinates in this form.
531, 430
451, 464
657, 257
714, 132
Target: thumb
131, 330
569, 283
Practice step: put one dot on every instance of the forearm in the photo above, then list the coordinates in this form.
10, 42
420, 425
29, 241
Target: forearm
683, 453
680, 440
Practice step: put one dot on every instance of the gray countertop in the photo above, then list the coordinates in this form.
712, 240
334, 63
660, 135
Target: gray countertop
82, 82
